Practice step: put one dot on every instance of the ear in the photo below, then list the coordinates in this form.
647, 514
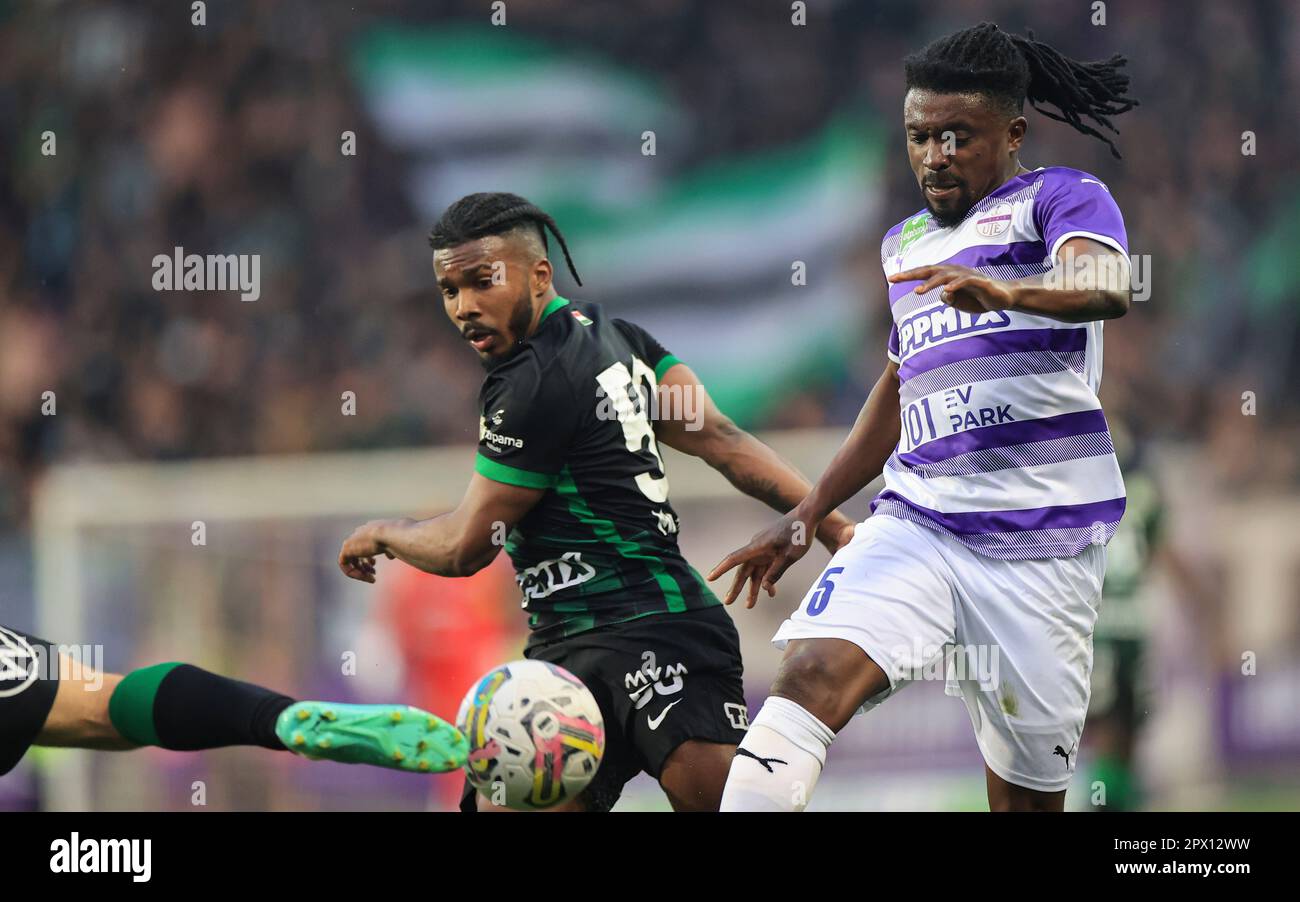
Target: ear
1016, 133
540, 277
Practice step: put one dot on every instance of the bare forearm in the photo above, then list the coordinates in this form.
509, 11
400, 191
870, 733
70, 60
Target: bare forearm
1072, 306
1082, 286
761, 473
862, 456
434, 545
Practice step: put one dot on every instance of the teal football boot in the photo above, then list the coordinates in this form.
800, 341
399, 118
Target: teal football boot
396, 736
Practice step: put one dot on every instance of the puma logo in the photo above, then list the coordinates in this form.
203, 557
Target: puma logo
1064, 754
763, 761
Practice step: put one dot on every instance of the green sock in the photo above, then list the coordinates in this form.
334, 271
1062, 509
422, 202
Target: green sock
131, 706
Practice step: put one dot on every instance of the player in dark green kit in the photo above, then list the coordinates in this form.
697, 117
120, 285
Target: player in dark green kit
605, 552
572, 411
1121, 691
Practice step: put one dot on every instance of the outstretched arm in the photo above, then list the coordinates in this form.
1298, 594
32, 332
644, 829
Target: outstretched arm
700, 429
1089, 281
860, 459
459, 543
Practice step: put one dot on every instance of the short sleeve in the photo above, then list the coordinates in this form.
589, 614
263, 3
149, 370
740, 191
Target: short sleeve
644, 345
526, 427
1073, 204
891, 347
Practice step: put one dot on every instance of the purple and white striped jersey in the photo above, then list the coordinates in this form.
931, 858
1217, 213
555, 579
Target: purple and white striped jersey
1003, 443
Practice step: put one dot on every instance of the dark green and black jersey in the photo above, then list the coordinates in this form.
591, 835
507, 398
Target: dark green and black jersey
571, 413
1128, 559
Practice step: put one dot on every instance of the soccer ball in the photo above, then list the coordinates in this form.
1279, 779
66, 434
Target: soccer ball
535, 735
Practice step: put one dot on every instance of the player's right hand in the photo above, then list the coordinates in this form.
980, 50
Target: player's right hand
357, 556
767, 556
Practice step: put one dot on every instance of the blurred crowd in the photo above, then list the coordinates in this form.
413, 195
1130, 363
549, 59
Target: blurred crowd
225, 138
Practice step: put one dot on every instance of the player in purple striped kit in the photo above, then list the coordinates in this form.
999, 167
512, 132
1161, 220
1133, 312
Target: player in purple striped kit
1001, 483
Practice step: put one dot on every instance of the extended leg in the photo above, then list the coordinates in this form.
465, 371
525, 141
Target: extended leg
185, 708
821, 683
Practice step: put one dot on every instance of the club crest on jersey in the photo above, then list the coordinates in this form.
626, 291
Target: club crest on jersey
550, 577
931, 326
994, 222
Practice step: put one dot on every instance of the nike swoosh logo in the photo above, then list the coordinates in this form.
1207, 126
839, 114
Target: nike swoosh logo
654, 722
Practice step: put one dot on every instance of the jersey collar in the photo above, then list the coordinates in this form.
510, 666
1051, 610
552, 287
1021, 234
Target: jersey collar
552, 307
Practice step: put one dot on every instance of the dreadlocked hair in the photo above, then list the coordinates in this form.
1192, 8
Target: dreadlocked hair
494, 213
1012, 69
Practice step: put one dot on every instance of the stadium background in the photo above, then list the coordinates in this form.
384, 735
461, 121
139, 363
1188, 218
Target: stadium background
773, 144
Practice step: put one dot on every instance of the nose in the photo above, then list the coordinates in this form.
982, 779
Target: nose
935, 159
467, 307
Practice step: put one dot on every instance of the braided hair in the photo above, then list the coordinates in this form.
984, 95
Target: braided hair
494, 213
1012, 69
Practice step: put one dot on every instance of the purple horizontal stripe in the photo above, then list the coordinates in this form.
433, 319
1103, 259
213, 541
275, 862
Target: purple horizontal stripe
1065, 516
1019, 546
993, 343
1011, 546
1034, 454
982, 369
1017, 253
1066, 424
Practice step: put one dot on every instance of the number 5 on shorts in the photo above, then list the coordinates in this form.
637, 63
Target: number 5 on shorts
821, 597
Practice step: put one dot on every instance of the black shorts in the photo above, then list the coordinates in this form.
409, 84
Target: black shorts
660, 681
29, 679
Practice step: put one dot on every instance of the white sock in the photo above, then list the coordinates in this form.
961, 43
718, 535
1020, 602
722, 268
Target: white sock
779, 760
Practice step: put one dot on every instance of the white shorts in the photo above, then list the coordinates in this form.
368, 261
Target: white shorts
1012, 638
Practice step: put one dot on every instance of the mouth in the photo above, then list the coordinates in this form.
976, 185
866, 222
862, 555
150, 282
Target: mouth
941, 192
482, 340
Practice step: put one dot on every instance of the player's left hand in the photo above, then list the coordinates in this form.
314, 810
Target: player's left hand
357, 557
964, 288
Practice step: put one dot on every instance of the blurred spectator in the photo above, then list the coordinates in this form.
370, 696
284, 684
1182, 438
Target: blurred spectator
225, 137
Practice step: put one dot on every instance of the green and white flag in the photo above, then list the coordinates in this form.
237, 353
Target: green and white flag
742, 267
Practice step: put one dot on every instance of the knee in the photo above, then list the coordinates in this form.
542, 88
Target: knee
829, 682
805, 677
